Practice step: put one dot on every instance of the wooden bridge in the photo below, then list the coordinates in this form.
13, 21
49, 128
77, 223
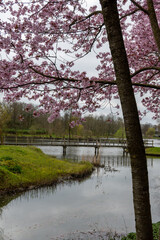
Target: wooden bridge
96, 143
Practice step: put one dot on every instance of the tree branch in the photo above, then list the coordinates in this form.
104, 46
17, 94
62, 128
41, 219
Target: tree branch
130, 13
85, 18
154, 23
101, 82
144, 69
140, 7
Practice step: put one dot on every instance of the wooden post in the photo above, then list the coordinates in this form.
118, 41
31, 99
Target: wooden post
95, 153
64, 150
97, 148
64, 147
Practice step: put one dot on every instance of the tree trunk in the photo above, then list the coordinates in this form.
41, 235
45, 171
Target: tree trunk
131, 120
154, 23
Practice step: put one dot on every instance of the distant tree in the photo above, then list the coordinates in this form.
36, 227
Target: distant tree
21, 115
145, 128
120, 133
158, 126
78, 131
4, 119
150, 132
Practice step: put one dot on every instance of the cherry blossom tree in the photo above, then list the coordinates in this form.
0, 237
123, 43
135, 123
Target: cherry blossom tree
42, 43
42, 52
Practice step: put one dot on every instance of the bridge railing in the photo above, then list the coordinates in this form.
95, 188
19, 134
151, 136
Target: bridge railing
70, 142
52, 141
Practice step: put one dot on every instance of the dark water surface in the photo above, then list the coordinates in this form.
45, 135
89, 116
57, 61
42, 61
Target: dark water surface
101, 202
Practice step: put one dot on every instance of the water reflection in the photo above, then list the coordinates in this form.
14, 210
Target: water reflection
2, 237
103, 201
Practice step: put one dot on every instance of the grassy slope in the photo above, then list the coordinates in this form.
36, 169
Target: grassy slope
153, 151
21, 167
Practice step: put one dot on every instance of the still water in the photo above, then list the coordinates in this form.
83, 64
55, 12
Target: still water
102, 201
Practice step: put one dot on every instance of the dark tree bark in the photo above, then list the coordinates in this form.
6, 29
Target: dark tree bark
131, 120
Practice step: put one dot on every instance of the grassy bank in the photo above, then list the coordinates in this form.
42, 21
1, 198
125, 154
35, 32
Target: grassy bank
28, 167
155, 151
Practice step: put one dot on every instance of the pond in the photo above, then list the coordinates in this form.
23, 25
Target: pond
102, 202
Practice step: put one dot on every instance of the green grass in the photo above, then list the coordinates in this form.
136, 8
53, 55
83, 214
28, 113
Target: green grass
153, 151
21, 167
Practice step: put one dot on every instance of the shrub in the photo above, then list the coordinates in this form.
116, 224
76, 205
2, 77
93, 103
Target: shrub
130, 236
156, 226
